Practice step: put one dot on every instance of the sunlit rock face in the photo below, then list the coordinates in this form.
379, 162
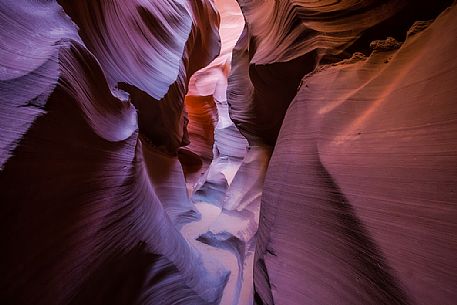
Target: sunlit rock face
285, 40
359, 203
228, 152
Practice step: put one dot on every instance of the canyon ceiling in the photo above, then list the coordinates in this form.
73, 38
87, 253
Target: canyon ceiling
268, 152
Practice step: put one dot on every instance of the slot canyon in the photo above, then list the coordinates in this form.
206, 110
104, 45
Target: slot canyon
233, 152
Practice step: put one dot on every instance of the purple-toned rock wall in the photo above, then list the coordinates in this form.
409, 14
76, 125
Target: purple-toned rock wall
228, 152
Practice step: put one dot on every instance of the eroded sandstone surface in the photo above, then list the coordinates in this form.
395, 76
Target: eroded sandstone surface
228, 152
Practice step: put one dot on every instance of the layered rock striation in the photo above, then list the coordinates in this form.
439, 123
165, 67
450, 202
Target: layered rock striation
228, 152
359, 199
90, 209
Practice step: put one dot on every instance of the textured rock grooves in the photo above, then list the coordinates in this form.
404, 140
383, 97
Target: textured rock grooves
142, 163
359, 203
87, 215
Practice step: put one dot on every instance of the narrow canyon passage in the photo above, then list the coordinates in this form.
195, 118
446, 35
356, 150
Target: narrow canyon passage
227, 193
228, 152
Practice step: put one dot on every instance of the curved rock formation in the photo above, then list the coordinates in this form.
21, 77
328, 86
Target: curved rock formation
359, 199
163, 43
83, 218
285, 40
141, 164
